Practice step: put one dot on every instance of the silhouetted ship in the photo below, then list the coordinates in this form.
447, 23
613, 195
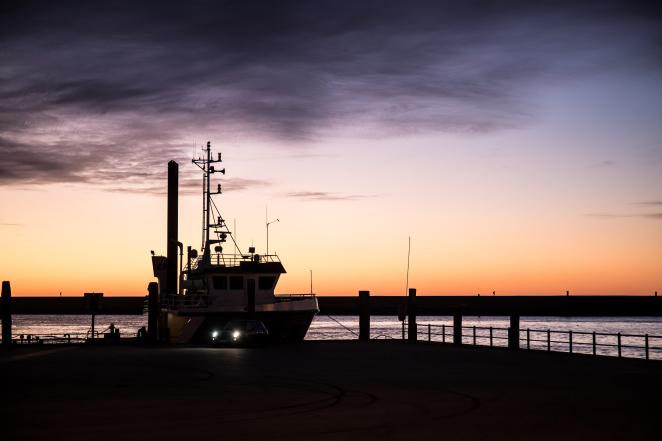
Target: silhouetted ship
218, 287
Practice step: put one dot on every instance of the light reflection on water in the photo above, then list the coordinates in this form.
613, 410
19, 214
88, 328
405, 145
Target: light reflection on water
346, 327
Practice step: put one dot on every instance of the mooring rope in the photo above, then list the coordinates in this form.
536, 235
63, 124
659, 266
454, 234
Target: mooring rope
349, 329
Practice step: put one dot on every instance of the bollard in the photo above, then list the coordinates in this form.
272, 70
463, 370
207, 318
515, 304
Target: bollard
457, 329
513, 332
364, 315
152, 311
411, 312
6, 313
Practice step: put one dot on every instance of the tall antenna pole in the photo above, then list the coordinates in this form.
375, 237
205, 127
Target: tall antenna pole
408, 254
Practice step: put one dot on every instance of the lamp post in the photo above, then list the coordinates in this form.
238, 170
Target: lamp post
269, 223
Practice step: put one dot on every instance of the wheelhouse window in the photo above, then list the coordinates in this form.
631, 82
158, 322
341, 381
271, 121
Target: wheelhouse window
266, 282
236, 282
220, 282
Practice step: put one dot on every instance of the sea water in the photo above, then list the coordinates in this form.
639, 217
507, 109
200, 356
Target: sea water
434, 328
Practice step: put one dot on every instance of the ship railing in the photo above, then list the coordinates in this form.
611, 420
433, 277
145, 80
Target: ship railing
293, 297
176, 302
223, 259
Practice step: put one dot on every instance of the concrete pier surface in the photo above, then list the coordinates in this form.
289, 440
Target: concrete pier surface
376, 390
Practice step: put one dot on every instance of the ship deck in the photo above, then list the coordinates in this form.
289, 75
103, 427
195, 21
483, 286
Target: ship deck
380, 390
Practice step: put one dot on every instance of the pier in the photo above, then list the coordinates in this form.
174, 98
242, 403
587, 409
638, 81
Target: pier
326, 391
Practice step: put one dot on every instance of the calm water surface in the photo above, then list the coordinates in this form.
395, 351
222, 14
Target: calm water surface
382, 327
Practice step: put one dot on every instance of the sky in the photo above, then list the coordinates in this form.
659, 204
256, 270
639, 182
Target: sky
518, 144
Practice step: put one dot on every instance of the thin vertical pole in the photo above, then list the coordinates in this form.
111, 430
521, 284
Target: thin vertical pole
619, 344
570, 340
408, 255
594, 349
528, 338
443, 333
429, 332
646, 345
549, 340
474, 334
403, 329
491, 336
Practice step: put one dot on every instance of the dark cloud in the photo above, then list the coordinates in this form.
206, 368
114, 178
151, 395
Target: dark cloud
108, 90
323, 196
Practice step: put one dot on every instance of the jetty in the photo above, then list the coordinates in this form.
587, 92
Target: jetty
350, 390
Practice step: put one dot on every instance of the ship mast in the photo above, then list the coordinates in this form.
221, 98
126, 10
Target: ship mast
206, 165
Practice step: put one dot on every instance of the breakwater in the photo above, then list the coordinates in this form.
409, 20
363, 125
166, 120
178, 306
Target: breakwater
534, 306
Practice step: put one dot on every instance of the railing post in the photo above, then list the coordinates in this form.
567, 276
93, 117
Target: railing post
364, 315
403, 329
646, 345
490, 336
570, 341
549, 340
513, 332
457, 329
6, 313
619, 344
528, 338
429, 332
594, 349
474, 334
443, 333
411, 312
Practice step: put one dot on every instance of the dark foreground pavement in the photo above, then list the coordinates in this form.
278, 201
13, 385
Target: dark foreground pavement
325, 391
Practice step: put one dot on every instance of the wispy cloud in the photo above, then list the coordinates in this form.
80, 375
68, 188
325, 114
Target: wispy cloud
9, 224
323, 196
603, 164
608, 215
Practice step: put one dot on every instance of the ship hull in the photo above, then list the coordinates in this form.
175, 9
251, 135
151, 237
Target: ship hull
283, 326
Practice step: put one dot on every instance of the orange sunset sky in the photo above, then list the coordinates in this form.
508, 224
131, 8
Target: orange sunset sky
518, 161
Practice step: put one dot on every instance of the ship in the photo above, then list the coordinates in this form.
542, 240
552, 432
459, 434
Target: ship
216, 286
